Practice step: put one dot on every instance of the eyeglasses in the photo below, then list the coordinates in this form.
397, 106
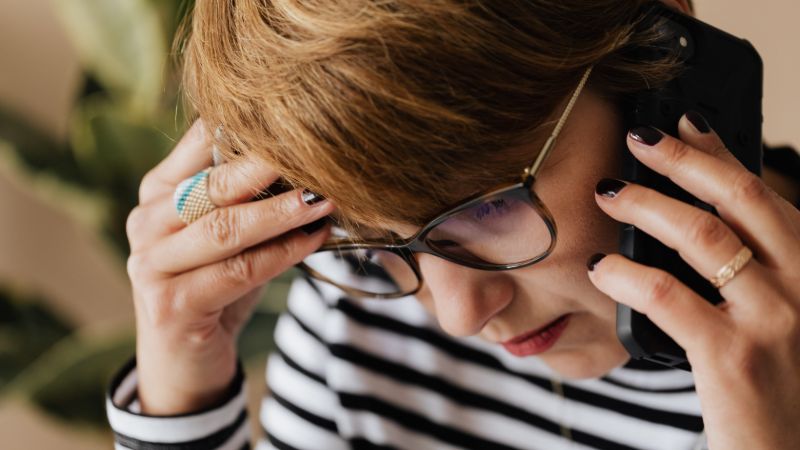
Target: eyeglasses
506, 228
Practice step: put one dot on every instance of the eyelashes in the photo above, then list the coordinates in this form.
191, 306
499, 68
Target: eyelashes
490, 208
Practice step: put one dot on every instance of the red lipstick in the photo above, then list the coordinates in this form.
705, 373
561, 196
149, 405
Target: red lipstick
539, 340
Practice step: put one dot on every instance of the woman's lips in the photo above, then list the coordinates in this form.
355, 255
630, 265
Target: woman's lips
539, 340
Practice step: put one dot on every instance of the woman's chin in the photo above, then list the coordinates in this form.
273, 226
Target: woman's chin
591, 361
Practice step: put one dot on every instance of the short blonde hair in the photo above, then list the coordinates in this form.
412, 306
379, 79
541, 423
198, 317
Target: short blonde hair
395, 109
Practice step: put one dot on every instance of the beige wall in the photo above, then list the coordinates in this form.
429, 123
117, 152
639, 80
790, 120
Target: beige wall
38, 74
38, 69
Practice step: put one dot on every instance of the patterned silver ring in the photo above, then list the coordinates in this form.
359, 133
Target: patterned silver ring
191, 197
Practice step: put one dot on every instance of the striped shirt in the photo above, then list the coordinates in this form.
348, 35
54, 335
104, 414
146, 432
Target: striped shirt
381, 374
373, 374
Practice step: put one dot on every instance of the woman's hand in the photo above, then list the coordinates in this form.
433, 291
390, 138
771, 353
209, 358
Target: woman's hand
194, 286
745, 353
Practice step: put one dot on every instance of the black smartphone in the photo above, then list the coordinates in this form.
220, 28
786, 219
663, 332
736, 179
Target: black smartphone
723, 81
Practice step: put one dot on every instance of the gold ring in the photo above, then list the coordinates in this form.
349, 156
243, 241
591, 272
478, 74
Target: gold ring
728, 271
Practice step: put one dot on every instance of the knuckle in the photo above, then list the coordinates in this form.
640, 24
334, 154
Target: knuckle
288, 250
239, 269
288, 206
279, 255
135, 220
719, 151
748, 187
146, 185
706, 231
218, 185
635, 197
284, 209
677, 152
660, 288
136, 266
220, 227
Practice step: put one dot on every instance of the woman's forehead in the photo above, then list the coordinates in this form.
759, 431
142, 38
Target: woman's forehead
524, 154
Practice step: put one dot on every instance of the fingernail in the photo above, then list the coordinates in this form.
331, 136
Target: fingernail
698, 121
593, 260
311, 198
647, 135
312, 227
609, 187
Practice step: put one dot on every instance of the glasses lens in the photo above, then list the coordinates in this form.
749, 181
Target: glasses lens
503, 229
370, 271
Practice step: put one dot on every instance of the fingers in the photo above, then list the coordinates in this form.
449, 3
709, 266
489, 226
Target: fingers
228, 184
227, 231
697, 132
703, 240
211, 287
670, 304
191, 155
148, 223
710, 143
239, 181
742, 199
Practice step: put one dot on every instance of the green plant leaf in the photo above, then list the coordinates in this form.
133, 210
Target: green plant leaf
85, 206
27, 329
122, 43
69, 380
113, 148
114, 151
37, 150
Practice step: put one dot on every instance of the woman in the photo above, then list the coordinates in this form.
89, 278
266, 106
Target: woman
396, 111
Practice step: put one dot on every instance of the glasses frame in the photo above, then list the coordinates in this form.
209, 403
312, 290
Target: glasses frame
405, 248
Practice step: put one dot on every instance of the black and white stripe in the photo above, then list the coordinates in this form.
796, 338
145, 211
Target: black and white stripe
380, 375
222, 427
351, 374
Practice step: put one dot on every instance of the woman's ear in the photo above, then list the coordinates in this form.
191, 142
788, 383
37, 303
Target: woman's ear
684, 6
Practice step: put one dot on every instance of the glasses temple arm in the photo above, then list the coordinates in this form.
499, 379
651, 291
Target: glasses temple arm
531, 171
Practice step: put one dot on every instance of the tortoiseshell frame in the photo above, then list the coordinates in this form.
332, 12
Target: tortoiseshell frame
405, 248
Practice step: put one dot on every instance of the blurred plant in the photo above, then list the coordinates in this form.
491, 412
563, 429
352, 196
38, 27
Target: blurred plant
125, 120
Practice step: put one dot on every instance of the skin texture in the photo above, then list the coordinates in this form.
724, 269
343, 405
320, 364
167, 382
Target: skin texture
744, 352
195, 285
747, 375
501, 305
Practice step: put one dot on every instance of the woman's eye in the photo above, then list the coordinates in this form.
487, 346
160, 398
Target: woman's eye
491, 208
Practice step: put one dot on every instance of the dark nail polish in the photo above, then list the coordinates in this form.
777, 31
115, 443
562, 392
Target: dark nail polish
698, 121
313, 227
311, 198
609, 187
647, 135
594, 259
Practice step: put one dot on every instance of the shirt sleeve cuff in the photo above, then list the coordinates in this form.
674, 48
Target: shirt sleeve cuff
223, 425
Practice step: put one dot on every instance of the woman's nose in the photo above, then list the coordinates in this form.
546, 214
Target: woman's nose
464, 299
